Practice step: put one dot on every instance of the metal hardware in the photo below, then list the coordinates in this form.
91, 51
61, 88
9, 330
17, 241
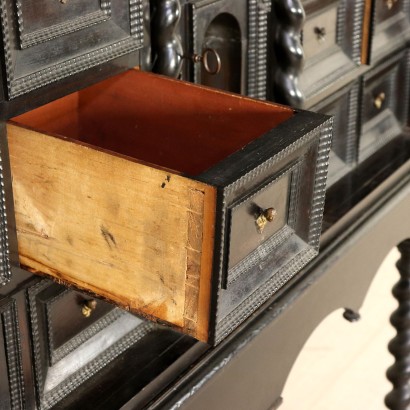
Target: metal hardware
204, 59
265, 216
390, 3
63, 1
379, 100
88, 307
320, 33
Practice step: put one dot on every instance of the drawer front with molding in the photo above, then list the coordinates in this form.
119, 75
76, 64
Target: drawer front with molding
331, 39
344, 107
48, 40
71, 345
71, 318
391, 27
319, 31
169, 200
11, 377
385, 103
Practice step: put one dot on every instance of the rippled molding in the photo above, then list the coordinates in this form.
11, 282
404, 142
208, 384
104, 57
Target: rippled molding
258, 12
166, 46
399, 347
289, 19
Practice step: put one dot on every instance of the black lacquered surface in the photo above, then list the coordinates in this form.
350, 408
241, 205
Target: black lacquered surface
349, 195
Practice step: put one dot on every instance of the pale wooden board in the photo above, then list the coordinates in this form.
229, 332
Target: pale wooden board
124, 230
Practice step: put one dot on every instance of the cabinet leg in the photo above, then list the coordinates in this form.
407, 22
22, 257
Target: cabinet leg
399, 373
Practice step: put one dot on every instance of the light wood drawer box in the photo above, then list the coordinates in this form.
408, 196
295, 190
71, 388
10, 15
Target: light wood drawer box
157, 195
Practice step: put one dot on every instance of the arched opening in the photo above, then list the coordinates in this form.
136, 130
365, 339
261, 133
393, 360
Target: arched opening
343, 365
224, 36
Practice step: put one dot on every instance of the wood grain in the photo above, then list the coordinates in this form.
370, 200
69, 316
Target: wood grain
138, 236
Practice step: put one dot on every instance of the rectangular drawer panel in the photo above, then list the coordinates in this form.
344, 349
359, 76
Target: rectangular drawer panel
57, 39
332, 45
391, 27
344, 107
70, 347
136, 205
385, 103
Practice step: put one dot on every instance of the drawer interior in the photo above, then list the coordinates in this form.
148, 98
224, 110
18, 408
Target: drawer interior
156, 120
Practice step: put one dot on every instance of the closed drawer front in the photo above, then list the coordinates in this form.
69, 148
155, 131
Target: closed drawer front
197, 197
386, 9
71, 344
344, 108
384, 104
332, 45
391, 27
71, 318
320, 30
55, 39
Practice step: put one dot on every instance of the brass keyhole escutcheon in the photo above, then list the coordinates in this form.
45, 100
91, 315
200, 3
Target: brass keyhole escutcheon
379, 100
204, 60
88, 307
390, 3
265, 216
320, 33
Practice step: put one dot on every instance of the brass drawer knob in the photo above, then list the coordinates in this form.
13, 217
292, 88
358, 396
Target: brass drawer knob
265, 216
204, 59
390, 3
88, 307
379, 100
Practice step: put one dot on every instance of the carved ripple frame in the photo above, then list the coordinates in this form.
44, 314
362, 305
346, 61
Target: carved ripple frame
51, 398
225, 325
71, 66
61, 29
9, 325
288, 49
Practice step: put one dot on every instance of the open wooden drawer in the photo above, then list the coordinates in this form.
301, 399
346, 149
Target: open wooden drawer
183, 204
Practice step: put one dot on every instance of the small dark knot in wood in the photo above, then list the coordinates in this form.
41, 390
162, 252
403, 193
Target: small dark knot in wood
399, 373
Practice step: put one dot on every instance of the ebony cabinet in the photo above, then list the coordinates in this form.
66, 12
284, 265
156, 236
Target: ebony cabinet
242, 191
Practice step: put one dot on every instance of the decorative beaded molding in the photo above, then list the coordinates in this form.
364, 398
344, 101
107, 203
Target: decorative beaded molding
9, 322
89, 370
265, 248
166, 44
57, 354
5, 267
288, 51
59, 30
259, 254
258, 12
232, 320
351, 135
55, 72
256, 299
51, 398
319, 190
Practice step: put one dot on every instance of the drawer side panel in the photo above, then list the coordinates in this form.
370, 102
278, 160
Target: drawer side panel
122, 230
